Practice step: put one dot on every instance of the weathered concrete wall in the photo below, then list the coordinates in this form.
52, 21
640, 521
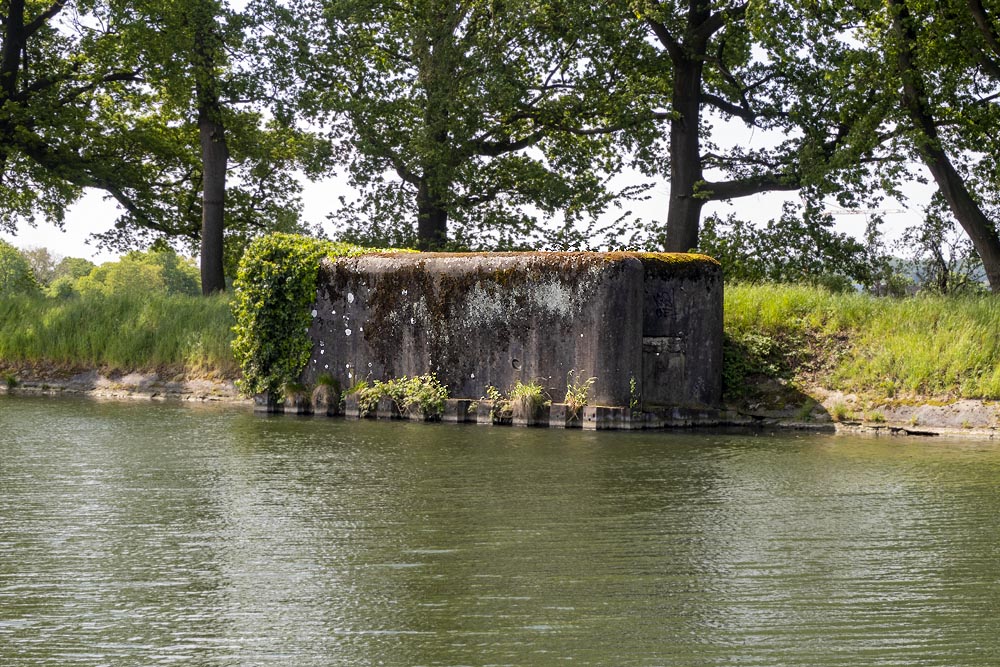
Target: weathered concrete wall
492, 319
681, 332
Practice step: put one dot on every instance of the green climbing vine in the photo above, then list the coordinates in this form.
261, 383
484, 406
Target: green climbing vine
274, 288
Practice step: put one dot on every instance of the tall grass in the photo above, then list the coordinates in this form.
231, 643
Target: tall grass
926, 345
123, 332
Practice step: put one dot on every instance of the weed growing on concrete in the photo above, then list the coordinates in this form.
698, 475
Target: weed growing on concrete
423, 393
532, 392
577, 393
500, 404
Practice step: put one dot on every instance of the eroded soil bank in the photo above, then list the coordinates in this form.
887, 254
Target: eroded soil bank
159, 384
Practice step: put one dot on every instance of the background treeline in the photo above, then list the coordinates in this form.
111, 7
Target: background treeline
500, 124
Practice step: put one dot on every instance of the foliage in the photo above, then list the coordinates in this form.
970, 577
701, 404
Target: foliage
119, 332
577, 393
926, 345
43, 264
943, 258
747, 357
435, 103
67, 272
423, 393
155, 271
16, 276
940, 69
275, 285
799, 247
781, 71
500, 404
67, 87
530, 392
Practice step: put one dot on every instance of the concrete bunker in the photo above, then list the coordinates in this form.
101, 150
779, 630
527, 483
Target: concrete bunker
648, 326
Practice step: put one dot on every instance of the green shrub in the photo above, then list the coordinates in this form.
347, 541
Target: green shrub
531, 392
423, 392
577, 393
16, 276
155, 271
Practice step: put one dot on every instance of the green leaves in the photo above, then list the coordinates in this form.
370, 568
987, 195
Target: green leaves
448, 97
275, 286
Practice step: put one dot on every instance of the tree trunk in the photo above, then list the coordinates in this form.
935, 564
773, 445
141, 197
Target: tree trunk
214, 151
215, 161
432, 219
684, 209
963, 206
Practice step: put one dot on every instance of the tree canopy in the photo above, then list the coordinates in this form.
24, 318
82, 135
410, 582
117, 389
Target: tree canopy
459, 121
492, 124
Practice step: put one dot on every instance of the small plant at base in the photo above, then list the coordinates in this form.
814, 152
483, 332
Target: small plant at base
362, 391
294, 389
840, 413
634, 399
531, 392
501, 405
326, 380
876, 417
327, 391
805, 411
11, 381
426, 393
577, 393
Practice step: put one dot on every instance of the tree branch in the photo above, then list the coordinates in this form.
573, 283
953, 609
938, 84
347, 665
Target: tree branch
985, 25
42, 18
666, 38
748, 186
716, 21
742, 112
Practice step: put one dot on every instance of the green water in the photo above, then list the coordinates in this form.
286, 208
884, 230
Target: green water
148, 534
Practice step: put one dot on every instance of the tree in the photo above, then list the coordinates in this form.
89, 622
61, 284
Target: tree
16, 276
63, 81
779, 68
956, 46
436, 103
43, 263
133, 98
159, 271
801, 247
942, 258
226, 169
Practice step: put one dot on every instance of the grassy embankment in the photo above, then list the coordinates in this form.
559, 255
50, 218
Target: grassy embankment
176, 335
883, 350
779, 339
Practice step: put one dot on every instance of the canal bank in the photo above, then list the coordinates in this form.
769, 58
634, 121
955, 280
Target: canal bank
772, 407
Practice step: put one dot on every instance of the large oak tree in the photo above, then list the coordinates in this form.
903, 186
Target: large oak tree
461, 119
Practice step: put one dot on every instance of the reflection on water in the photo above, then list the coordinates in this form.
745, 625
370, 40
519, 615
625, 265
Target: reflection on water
139, 534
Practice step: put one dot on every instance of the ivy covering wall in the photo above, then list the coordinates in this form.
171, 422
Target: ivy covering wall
274, 289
